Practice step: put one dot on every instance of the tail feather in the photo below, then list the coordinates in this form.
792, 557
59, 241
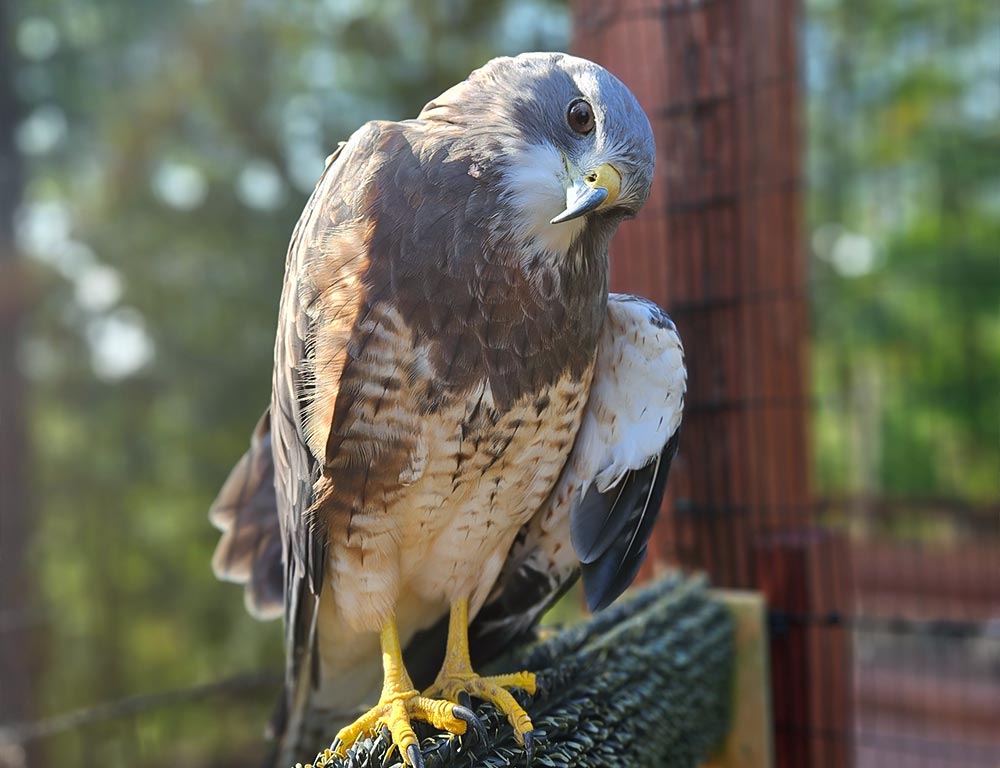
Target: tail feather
249, 550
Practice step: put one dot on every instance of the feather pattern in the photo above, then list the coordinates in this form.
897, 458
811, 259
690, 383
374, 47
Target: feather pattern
609, 528
610, 491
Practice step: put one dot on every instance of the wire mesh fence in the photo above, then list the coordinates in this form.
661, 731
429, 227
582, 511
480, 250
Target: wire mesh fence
884, 613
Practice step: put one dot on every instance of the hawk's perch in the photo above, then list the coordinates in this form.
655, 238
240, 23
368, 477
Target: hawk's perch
646, 683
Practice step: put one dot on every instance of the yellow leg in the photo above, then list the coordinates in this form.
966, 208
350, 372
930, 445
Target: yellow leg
456, 677
400, 703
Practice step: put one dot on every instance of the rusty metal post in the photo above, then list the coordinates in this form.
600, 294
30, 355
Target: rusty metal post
719, 245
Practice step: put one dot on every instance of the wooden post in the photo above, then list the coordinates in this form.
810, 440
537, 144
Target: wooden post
719, 245
750, 741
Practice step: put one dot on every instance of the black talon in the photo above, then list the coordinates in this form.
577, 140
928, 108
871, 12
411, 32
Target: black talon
465, 699
414, 757
529, 748
475, 724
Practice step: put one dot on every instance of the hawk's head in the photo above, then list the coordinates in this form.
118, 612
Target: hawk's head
566, 139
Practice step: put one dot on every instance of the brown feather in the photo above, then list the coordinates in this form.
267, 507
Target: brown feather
249, 550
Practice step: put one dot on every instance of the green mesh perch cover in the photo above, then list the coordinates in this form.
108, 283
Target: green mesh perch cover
644, 683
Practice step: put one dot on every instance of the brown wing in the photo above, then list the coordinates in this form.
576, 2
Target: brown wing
320, 300
373, 266
611, 489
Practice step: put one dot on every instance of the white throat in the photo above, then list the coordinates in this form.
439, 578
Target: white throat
535, 188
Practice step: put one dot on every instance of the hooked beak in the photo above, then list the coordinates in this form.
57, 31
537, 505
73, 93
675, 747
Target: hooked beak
598, 189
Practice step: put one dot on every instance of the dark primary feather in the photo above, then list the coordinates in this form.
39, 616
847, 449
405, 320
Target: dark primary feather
598, 519
623, 520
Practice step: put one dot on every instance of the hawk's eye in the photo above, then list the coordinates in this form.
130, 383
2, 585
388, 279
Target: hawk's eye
580, 117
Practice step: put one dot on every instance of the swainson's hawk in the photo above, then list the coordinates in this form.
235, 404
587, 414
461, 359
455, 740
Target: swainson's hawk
462, 418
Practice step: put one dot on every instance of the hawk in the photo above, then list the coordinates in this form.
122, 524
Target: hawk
462, 419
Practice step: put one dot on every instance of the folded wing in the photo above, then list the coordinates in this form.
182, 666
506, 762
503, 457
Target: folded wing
599, 518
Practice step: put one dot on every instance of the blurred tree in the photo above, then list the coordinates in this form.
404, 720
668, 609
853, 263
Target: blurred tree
19, 659
904, 200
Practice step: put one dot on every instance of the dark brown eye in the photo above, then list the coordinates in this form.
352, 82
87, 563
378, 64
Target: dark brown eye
580, 117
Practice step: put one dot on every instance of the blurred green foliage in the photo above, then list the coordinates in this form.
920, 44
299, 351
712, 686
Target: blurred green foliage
904, 214
170, 147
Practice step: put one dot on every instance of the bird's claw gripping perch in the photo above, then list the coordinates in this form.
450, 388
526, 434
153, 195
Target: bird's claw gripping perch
475, 730
413, 756
458, 682
529, 748
396, 712
459, 686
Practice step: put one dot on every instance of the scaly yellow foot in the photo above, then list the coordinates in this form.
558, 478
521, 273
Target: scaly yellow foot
493, 689
456, 678
399, 704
